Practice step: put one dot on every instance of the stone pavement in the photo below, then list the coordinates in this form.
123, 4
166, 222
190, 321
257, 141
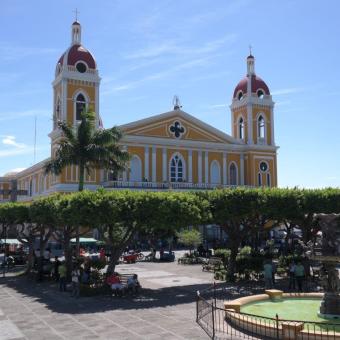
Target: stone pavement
164, 310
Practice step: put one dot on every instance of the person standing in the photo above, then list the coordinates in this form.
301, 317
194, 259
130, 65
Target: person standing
75, 282
62, 277
268, 274
292, 275
299, 275
56, 265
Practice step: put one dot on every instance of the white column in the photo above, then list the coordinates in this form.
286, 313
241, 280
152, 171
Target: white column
250, 124
224, 168
97, 104
199, 161
190, 166
124, 148
164, 165
272, 136
64, 100
206, 167
154, 178
146, 162
242, 169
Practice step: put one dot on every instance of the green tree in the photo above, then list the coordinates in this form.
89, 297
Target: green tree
88, 148
190, 238
238, 212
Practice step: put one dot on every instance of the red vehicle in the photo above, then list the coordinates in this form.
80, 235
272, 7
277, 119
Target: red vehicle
132, 257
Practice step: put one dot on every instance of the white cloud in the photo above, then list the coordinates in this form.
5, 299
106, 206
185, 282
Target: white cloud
289, 90
11, 115
199, 62
12, 147
10, 52
10, 140
218, 106
181, 48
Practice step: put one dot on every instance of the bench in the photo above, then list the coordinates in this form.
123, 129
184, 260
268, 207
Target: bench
124, 281
213, 264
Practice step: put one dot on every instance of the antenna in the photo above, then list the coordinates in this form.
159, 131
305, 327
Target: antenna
35, 137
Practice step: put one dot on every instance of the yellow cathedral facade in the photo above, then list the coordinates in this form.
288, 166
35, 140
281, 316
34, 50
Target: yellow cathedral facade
169, 151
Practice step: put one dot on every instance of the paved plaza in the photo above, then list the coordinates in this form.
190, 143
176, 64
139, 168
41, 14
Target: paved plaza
164, 310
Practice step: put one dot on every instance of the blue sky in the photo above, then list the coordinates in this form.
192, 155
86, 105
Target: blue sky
149, 50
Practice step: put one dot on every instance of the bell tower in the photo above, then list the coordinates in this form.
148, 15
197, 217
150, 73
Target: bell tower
252, 123
75, 86
252, 114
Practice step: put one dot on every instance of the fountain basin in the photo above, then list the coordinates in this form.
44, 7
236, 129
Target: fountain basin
297, 316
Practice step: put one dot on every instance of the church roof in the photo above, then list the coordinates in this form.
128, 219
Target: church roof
221, 136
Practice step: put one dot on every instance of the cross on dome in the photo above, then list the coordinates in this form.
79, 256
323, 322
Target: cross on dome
76, 13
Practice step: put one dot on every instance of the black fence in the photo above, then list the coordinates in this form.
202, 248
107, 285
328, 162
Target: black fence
220, 324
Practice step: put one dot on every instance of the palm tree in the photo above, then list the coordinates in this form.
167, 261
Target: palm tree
88, 148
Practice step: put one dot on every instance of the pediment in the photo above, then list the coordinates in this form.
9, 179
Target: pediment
179, 125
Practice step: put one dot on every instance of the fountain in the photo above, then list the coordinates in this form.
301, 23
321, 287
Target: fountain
311, 311
330, 258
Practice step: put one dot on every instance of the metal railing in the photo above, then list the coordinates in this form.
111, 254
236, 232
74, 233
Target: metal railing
164, 185
219, 323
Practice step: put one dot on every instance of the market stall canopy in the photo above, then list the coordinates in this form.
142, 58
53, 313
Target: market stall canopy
10, 241
84, 240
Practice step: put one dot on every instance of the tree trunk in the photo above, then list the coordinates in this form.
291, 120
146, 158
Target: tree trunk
68, 256
232, 259
114, 258
80, 188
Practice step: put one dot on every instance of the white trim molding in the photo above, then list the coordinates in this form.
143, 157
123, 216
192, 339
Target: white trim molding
190, 166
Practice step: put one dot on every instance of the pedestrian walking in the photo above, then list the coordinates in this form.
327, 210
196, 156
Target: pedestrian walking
268, 274
292, 275
75, 282
62, 277
299, 275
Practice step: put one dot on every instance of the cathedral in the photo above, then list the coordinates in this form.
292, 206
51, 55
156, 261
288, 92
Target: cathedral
169, 151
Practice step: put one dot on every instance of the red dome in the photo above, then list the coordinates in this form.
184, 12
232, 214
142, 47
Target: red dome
77, 53
256, 84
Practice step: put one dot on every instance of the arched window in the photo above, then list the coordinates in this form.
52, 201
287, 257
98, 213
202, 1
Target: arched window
259, 179
80, 105
241, 128
233, 174
177, 168
261, 127
135, 169
215, 174
268, 179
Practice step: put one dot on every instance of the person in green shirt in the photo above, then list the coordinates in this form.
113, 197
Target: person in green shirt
62, 277
268, 274
299, 275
